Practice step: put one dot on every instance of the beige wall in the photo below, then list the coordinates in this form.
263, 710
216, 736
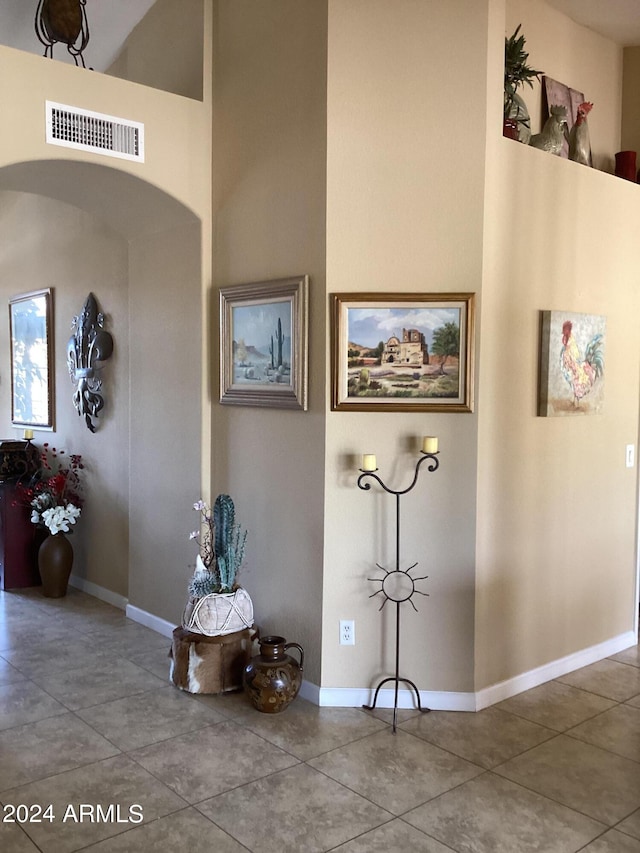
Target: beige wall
269, 196
177, 137
556, 505
165, 50
404, 213
166, 417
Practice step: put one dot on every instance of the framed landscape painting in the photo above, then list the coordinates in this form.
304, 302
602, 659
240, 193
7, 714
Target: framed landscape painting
32, 368
263, 343
402, 352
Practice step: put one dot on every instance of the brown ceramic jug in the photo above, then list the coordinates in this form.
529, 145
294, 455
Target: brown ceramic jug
272, 679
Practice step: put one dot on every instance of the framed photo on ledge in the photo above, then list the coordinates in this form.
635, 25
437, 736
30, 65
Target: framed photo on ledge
402, 352
263, 343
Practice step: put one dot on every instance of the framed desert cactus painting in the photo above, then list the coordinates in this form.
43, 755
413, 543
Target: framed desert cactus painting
263, 343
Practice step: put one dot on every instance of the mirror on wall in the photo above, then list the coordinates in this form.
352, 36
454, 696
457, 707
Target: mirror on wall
32, 366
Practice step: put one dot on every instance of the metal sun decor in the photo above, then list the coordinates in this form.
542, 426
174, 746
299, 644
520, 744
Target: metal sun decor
89, 345
398, 585
63, 21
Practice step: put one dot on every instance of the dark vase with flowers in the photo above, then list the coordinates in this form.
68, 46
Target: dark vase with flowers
54, 496
55, 561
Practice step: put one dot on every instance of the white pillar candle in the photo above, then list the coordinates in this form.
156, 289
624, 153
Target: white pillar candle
369, 462
430, 444
28, 433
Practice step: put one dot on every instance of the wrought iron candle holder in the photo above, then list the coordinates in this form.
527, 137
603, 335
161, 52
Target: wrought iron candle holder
397, 585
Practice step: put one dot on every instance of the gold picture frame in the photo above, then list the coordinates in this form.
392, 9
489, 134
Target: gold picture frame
402, 352
264, 344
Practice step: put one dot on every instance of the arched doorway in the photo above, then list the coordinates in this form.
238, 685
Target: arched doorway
81, 227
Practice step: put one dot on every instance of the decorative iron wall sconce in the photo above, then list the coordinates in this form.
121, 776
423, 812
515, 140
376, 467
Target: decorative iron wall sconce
89, 344
63, 21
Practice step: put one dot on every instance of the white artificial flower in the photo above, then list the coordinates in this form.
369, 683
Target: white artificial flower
73, 511
58, 518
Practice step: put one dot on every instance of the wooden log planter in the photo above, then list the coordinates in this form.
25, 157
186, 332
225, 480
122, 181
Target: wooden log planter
202, 664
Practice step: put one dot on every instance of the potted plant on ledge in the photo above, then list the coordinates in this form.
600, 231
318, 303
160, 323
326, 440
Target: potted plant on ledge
516, 122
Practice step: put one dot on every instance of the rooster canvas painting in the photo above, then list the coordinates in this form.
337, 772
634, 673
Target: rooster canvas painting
572, 363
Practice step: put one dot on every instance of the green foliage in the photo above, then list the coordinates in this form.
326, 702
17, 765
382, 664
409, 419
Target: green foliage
203, 584
594, 355
229, 563
222, 546
446, 386
446, 341
224, 514
516, 70
279, 341
229, 542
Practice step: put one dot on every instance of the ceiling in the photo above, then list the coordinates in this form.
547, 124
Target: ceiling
110, 22
618, 20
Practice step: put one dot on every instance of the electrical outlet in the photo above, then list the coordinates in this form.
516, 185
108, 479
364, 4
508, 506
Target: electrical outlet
347, 632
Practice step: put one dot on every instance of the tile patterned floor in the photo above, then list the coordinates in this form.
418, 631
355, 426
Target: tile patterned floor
88, 719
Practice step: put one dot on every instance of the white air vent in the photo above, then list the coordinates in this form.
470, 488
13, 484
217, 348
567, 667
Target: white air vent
72, 127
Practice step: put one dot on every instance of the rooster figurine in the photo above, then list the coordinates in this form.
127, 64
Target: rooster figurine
579, 145
580, 374
554, 131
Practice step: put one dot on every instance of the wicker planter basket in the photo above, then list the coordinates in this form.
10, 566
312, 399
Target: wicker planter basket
219, 613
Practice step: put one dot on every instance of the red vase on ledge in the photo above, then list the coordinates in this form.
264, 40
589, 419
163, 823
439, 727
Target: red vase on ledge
626, 165
510, 128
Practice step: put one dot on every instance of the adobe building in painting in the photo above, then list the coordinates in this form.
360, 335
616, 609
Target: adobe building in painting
411, 350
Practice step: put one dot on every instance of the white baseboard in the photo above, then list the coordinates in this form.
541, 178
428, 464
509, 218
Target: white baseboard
310, 692
356, 697
100, 592
554, 669
346, 697
150, 621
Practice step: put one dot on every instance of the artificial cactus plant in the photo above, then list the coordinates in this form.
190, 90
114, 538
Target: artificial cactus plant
222, 544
